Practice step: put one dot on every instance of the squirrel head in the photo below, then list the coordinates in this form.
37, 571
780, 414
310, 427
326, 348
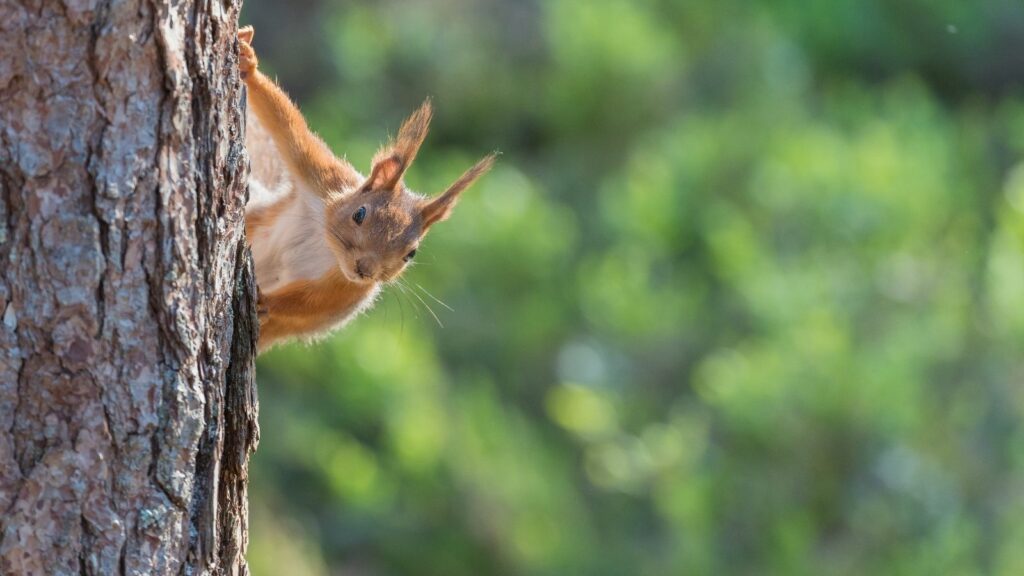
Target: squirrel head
376, 229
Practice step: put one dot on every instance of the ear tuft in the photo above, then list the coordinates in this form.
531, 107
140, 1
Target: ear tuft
440, 208
413, 132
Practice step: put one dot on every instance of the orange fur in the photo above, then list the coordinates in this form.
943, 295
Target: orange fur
325, 246
258, 218
305, 153
310, 307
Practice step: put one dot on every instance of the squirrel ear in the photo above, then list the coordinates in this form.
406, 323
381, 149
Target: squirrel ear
440, 208
390, 164
386, 173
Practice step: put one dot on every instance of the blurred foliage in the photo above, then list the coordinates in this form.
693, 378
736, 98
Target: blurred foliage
744, 295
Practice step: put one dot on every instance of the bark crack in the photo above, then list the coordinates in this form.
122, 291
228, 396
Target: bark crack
83, 542
104, 236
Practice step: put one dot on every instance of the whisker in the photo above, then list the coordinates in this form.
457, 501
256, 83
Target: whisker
408, 290
431, 310
387, 307
411, 301
435, 298
401, 308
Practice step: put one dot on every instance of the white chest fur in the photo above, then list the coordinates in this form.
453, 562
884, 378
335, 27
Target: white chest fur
290, 244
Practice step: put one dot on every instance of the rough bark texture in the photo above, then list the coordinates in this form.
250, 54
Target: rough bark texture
127, 400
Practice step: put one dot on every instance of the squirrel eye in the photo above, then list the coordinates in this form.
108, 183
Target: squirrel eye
410, 255
359, 215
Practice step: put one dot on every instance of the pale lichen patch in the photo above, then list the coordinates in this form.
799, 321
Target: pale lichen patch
11, 317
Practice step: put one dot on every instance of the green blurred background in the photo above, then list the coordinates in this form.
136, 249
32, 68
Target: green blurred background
744, 295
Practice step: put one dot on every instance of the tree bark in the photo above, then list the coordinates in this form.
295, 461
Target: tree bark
127, 324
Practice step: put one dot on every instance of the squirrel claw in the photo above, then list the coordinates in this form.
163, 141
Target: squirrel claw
246, 55
262, 311
245, 34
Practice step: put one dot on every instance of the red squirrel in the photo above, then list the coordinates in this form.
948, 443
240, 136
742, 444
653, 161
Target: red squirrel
324, 237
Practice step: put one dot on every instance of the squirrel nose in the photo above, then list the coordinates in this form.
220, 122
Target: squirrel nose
363, 269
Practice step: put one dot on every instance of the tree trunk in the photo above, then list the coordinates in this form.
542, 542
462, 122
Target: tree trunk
127, 325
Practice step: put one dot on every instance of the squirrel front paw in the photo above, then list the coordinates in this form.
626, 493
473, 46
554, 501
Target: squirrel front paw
246, 55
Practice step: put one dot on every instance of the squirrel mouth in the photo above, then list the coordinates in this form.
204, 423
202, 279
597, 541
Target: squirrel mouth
350, 275
355, 277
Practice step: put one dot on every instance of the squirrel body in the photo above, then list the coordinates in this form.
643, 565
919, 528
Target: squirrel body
323, 236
